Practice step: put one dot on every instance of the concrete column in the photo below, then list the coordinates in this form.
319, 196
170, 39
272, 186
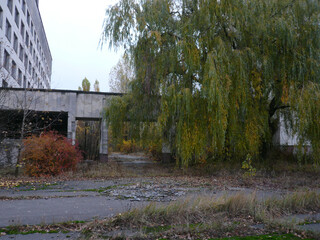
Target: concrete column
72, 110
166, 153
72, 129
104, 141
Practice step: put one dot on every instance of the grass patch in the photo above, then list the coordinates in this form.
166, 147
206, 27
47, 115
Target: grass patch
157, 229
116, 170
65, 227
234, 206
308, 222
264, 237
12, 230
103, 189
207, 217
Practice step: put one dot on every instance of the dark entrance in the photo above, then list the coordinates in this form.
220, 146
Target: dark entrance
88, 137
35, 123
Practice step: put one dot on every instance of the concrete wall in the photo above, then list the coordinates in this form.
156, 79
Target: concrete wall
9, 152
78, 105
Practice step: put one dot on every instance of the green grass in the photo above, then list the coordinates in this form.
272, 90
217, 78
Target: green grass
103, 189
213, 216
156, 229
309, 222
17, 230
263, 237
44, 186
64, 227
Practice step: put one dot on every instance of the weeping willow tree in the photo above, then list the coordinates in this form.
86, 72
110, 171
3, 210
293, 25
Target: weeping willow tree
215, 75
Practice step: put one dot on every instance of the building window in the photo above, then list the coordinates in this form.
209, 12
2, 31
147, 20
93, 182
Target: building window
15, 43
19, 77
32, 28
27, 39
24, 81
13, 69
30, 68
28, 18
1, 17
21, 53
6, 60
24, 6
22, 30
31, 48
26, 61
17, 17
35, 36
4, 84
8, 30
10, 5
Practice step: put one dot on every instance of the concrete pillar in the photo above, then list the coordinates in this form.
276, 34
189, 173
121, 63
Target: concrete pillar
72, 129
72, 110
104, 141
166, 153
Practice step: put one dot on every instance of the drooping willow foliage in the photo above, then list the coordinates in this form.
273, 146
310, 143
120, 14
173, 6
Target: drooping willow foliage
215, 74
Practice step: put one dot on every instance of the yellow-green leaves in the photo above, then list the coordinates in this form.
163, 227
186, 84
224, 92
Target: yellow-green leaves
215, 75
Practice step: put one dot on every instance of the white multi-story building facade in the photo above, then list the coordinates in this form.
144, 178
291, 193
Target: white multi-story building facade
25, 58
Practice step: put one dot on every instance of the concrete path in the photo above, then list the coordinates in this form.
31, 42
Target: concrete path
57, 210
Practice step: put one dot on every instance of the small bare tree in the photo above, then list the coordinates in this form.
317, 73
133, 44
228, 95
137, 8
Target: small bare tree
121, 75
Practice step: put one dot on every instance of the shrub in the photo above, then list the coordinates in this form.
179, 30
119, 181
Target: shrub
129, 146
154, 150
49, 154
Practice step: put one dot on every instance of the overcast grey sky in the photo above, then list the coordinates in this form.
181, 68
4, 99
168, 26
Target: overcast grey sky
73, 29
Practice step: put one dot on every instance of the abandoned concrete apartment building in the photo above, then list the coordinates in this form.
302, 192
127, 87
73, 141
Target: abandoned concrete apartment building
25, 58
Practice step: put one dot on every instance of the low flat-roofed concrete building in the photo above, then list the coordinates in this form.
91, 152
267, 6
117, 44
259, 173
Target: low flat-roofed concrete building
25, 58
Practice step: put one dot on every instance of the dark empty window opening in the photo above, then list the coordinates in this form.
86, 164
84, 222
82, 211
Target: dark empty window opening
28, 18
32, 28
24, 6
14, 69
1, 18
22, 30
24, 82
27, 40
15, 43
21, 53
26, 61
10, 5
6, 60
4, 84
19, 77
17, 17
30, 68
8, 30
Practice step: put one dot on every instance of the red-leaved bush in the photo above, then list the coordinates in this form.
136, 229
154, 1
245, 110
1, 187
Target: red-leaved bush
49, 154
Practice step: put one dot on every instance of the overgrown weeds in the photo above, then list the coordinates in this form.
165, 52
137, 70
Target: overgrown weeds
118, 170
210, 215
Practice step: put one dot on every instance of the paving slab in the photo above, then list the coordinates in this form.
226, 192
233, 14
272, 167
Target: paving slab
42, 236
47, 211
